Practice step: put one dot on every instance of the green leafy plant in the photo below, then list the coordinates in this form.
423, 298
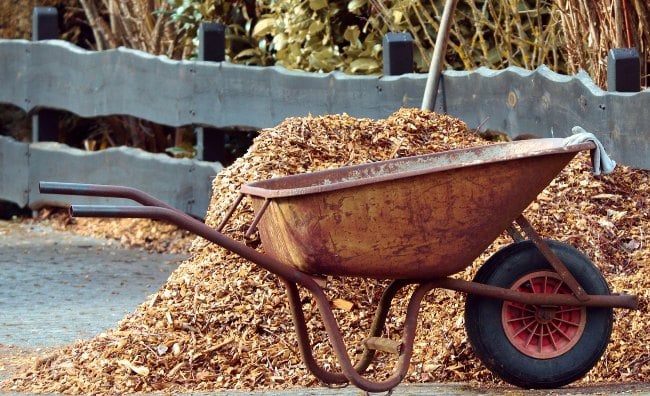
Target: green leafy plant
322, 36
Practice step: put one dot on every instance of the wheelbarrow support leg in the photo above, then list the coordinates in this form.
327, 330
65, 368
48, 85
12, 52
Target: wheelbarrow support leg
380, 318
368, 354
327, 377
350, 372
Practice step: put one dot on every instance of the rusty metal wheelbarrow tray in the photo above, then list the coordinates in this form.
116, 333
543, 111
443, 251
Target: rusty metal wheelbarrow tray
415, 220
408, 218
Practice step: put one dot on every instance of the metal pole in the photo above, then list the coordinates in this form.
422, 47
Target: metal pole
437, 60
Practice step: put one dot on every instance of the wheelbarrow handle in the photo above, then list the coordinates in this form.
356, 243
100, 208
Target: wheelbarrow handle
101, 190
108, 211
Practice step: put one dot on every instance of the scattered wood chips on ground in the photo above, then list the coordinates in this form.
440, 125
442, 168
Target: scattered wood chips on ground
136, 233
220, 322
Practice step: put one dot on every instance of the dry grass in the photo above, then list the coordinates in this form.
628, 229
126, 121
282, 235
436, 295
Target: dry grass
592, 28
139, 24
495, 34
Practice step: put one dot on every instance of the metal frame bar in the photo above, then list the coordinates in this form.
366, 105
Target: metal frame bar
552, 258
230, 212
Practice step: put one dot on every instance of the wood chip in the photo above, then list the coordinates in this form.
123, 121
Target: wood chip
343, 304
140, 370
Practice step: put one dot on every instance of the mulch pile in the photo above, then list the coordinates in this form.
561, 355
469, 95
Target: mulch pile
222, 323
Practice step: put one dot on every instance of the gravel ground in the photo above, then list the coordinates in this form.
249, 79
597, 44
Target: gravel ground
57, 287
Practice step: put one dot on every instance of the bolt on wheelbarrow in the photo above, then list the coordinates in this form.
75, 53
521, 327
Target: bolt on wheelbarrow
538, 313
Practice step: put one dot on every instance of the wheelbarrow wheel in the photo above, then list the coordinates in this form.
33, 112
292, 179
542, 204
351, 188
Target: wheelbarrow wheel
537, 346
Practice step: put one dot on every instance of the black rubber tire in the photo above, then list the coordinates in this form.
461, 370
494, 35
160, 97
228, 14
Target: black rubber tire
485, 327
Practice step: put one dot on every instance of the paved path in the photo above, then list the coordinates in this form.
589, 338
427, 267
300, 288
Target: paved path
57, 287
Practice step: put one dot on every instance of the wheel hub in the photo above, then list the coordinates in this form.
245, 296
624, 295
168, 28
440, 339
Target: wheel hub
544, 315
542, 331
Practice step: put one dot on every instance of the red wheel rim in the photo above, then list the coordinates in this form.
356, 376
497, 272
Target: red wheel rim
542, 332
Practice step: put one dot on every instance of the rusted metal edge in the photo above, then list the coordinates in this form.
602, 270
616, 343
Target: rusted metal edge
258, 217
337, 179
514, 233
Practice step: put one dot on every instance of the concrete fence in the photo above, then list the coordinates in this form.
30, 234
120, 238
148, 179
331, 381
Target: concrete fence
183, 183
54, 74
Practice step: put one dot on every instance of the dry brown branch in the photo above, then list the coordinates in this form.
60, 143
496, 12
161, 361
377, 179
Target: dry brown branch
592, 28
93, 17
138, 24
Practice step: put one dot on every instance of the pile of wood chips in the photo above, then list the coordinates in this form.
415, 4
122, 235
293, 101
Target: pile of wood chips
220, 322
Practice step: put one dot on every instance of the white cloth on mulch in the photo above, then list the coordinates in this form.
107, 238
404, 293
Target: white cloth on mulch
599, 158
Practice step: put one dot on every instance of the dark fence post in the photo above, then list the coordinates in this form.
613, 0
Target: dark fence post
623, 70
212, 47
397, 54
45, 26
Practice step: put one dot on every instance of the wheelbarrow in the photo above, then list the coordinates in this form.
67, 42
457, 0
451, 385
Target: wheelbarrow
538, 313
